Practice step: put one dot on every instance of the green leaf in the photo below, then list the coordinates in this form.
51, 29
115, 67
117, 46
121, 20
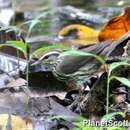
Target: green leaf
122, 80
20, 45
1, 45
10, 28
48, 48
32, 23
45, 14
80, 53
110, 115
115, 65
116, 128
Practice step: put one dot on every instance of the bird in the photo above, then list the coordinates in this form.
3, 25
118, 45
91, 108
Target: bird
71, 68
76, 68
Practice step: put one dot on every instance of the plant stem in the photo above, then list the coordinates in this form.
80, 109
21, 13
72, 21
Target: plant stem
13, 8
107, 97
18, 55
27, 72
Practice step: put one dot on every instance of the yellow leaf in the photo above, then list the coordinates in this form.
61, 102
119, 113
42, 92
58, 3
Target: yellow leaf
77, 34
16, 122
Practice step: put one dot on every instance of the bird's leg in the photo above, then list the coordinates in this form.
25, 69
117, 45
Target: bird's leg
81, 88
75, 106
76, 85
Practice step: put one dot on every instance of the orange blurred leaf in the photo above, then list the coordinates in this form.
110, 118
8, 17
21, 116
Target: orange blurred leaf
116, 27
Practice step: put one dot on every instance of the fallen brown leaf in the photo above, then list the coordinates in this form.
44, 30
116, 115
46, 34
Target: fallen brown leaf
116, 27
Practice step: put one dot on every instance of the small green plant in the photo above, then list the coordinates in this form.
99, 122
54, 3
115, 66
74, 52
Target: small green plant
19, 45
82, 126
110, 77
41, 18
32, 24
23, 47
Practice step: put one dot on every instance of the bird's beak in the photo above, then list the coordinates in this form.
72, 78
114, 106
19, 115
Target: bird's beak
36, 63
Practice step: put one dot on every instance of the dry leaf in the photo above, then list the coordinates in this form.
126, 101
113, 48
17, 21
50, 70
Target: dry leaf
78, 34
16, 122
116, 27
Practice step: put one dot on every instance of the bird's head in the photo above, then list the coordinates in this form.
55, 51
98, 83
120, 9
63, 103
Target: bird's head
45, 61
